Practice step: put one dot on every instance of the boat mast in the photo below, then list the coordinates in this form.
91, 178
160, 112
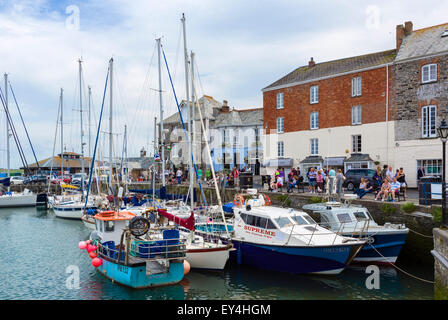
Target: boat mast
189, 110
153, 175
162, 142
111, 63
82, 131
61, 101
8, 152
89, 118
193, 97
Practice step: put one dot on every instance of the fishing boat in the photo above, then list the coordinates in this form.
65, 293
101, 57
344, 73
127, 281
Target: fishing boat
384, 243
283, 239
201, 252
133, 254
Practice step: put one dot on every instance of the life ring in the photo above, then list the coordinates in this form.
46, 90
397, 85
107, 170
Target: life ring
267, 200
107, 213
238, 200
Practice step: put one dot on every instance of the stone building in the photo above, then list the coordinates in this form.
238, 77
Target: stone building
420, 98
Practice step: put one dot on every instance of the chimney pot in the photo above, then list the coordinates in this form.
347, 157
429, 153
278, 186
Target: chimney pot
408, 28
311, 63
225, 107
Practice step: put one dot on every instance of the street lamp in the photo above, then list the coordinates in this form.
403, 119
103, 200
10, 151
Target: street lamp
443, 134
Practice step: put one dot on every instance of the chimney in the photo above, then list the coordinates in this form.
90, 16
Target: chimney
408, 28
400, 35
311, 63
225, 108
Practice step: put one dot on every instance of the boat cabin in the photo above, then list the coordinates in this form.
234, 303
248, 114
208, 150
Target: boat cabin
339, 218
110, 224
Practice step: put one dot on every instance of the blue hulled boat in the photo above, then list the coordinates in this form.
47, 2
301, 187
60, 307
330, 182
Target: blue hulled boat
134, 255
283, 240
384, 243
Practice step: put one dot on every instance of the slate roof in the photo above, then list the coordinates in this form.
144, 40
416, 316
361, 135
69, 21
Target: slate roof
207, 105
359, 157
333, 68
424, 42
248, 117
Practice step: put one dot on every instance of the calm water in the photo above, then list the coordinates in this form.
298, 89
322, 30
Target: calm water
37, 247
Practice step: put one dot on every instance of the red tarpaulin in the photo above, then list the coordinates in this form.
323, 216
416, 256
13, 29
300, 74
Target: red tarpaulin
186, 223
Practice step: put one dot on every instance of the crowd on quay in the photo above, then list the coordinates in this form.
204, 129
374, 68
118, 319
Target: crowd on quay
385, 184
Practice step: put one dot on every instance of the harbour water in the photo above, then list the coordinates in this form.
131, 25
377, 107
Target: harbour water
37, 250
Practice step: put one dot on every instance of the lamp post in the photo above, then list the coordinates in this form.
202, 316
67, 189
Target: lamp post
443, 134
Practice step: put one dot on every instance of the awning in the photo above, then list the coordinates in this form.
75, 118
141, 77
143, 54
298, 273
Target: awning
359, 157
334, 161
312, 160
284, 162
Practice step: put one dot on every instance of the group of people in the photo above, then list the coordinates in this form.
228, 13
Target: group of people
387, 182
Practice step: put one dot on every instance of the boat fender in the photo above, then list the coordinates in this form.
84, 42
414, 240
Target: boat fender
267, 200
238, 200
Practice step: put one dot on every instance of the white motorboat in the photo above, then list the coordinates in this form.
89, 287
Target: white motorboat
21, 199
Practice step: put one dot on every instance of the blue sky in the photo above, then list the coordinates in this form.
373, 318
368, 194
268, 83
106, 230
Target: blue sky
241, 47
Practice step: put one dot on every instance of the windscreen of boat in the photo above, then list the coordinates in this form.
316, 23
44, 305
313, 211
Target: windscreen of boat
300, 220
344, 218
360, 216
283, 222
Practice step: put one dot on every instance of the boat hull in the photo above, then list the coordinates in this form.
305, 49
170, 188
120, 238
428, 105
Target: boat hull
70, 212
297, 260
10, 201
382, 247
208, 258
135, 276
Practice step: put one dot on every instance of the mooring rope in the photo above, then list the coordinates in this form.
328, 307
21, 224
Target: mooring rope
423, 235
399, 269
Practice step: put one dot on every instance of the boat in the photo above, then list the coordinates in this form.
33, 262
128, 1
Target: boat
135, 255
201, 252
384, 243
21, 199
73, 209
283, 239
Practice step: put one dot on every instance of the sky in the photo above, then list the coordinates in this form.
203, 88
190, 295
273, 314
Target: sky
241, 46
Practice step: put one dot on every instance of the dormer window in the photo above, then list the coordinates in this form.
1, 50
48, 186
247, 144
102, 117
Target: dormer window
429, 73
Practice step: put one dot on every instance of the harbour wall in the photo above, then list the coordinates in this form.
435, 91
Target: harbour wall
440, 254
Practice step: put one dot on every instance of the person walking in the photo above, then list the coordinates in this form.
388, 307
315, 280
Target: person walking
339, 181
179, 176
331, 182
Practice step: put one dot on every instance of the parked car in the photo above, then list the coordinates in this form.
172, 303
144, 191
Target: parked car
77, 177
55, 180
16, 180
353, 178
39, 178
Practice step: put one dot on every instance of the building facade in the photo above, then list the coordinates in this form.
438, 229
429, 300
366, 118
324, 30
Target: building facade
323, 114
420, 98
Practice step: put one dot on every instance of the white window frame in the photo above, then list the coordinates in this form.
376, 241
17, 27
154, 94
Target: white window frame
356, 86
356, 115
429, 121
431, 72
314, 94
280, 149
314, 120
314, 147
434, 164
280, 128
280, 100
356, 143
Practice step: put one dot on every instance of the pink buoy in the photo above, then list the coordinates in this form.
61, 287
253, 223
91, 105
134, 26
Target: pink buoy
96, 262
94, 247
89, 241
186, 267
82, 245
93, 255
90, 248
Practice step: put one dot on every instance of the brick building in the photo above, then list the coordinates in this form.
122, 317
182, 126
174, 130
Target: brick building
326, 114
420, 98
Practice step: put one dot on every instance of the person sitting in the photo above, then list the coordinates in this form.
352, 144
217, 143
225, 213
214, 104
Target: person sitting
395, 188
364, 188
377, 178
292, 184
279, 182
385, 190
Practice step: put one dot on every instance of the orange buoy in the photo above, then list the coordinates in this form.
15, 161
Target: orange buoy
186, 267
